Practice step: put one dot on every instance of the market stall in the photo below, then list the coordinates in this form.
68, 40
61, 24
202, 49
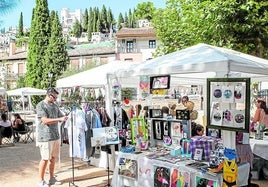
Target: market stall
200, 62
195, 65
25, 94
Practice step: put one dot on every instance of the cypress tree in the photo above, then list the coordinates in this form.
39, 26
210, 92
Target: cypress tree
90, 24
85, 21
110, 19
39, 39
120, 21
20, 33
103, 20
56, 57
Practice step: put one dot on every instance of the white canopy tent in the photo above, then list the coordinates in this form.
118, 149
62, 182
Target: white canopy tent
95, 77
203, 61
196, 63
26, 91
2, 91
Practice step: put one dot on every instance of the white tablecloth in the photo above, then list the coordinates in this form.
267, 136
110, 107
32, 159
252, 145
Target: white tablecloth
260, 147
145, 172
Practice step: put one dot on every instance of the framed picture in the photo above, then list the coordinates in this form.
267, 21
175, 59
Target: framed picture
216, 133
111, 135
166, 128
160, 82
138, 129
228, 102
105, 136
158, 129
155, 113
183, 114
176, 129
128, 168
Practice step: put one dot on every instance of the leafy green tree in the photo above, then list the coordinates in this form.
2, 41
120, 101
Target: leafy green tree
20, 33
235, 24
145, 11
85, 20
56, 56
39, 40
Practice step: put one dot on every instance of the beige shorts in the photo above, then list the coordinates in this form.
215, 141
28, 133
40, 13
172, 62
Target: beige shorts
49, 149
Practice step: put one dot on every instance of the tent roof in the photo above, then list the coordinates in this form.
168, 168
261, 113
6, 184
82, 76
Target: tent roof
26, 91
94, 77
202, 58
2, 90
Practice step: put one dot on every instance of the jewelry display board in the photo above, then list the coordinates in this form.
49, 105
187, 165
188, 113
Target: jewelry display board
228, 102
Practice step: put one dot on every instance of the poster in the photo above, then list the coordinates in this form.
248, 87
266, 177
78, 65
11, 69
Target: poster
106, 135
179, 178
127, 168
161, 176
204, 182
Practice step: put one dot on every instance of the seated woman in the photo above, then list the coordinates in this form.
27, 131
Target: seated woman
197, 129
5, 127
18, 125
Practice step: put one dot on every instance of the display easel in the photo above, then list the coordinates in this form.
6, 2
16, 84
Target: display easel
105, 137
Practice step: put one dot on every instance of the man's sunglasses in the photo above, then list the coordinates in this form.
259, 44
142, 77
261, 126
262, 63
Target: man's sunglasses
53, 96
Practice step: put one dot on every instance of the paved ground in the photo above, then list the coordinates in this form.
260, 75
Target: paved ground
19, 168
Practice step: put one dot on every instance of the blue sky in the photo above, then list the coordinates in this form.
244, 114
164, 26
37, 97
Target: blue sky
11, 18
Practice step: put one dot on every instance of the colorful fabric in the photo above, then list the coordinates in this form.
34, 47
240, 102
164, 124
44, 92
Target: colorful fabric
202, 142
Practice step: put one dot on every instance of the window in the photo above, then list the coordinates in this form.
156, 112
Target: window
130, 46
152, 44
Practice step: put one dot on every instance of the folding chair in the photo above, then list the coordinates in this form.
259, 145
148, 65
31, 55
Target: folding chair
6, 135
28, 134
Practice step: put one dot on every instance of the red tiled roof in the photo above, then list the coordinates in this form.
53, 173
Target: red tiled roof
136, 32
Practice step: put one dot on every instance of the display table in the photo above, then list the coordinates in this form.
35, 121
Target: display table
260, 151
141, 170
260, 147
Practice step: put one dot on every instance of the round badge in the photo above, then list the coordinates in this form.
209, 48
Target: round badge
217, 93
239, 118
227, 94
237, 94
227, 115
217, 116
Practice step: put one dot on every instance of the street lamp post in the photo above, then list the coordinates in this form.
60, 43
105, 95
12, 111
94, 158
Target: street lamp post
50, 75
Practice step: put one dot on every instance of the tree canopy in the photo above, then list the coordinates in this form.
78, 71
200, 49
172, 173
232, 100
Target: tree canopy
47, 49
236, 24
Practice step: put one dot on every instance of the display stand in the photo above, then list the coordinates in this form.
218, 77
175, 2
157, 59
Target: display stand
105, 137
72, 144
